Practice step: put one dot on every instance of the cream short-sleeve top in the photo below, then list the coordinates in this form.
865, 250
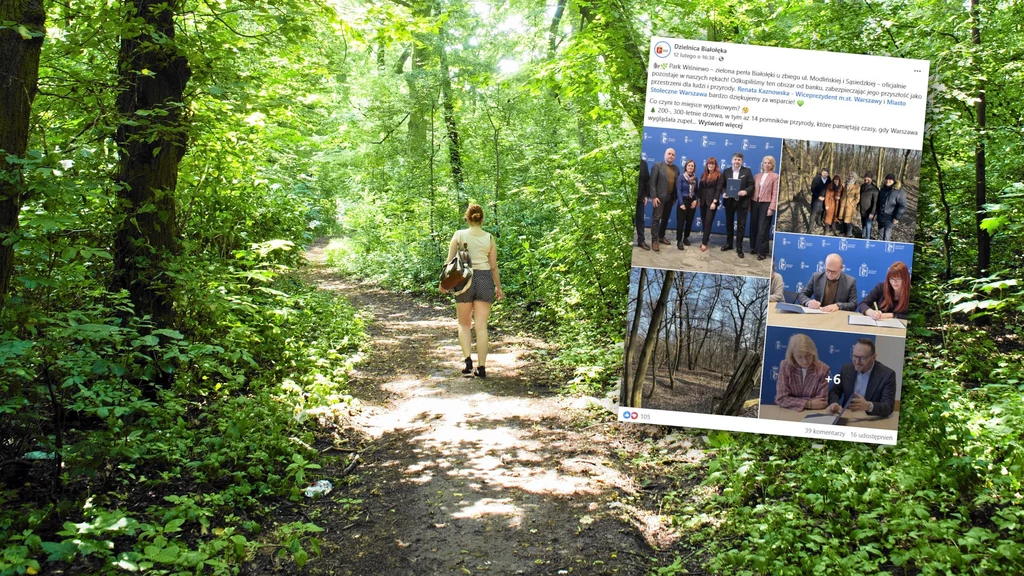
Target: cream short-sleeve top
479, 242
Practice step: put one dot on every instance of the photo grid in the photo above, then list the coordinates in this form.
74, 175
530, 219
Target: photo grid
770, 279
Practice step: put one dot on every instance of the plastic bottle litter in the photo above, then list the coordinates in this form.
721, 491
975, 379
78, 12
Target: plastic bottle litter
320, 488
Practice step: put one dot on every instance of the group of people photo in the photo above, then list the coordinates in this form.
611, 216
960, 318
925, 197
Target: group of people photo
689, 191
705, 202
845, 190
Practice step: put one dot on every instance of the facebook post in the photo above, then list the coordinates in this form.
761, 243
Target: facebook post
773, 240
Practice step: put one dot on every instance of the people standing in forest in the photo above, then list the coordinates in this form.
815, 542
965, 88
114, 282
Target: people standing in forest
868, 203
736, 208
819, 186
889, 298
803, 378
849, 205
766, 194
892, 202
642, 198
832, 197
474, 305
709, 188
662, 190
686, 206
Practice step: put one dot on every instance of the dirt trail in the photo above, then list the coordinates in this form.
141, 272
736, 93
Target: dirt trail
464, 475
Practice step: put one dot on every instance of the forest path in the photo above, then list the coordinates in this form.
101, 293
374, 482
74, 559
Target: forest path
465, 475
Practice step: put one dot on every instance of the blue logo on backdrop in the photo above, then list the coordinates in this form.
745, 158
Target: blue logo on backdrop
866, 261
699, 146
775, 372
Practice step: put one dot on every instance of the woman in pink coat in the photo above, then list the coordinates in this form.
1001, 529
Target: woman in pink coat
766, 193
803, 379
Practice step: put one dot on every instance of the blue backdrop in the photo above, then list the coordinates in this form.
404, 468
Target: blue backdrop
834, 349
797, 256
699, 146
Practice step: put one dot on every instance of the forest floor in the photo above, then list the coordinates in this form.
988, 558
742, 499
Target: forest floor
465, 475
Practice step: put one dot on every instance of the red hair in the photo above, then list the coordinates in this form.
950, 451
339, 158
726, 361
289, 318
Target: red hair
898, 303
715, 174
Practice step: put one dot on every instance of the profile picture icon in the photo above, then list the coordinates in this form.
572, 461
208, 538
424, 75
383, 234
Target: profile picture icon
662, 49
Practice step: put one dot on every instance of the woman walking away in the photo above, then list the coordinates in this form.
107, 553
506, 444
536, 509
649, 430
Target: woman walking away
475, 303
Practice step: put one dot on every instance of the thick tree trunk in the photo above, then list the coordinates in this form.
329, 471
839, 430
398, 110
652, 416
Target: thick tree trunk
625, 389
652, 335
152, 139
420, 89
454, 147
740, 385
19, 70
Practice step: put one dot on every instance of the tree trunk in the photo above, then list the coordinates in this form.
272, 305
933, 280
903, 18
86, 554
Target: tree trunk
419, 90
984, 240
652, 334
152, 139
454, 148
553, 29
740, 385
947, 233
19, 70
625, 389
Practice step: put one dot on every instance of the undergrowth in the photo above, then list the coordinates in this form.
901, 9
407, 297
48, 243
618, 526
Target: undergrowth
107, 468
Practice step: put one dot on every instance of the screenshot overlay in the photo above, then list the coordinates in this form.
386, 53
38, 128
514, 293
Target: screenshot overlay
773, 240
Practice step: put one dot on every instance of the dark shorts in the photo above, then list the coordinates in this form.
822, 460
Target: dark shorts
481, 289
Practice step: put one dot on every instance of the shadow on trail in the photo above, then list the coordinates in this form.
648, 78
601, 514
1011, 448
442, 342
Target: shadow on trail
464, 475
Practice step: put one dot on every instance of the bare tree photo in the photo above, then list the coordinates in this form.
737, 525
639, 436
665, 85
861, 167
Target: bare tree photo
694, 342
804, 160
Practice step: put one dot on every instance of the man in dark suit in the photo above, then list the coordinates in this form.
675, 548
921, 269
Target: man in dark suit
642, 198
819, 186
830, 290
662, 191
736, 208
864, 384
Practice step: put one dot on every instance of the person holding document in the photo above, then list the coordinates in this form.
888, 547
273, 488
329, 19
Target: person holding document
709, 189
864, 385
803, 379
739, 189
686, 207
890, 298
830, 290
766, 193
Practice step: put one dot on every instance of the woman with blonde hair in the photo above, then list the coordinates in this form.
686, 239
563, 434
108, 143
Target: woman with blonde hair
474, 305
803, 379
848, 205
766, 193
